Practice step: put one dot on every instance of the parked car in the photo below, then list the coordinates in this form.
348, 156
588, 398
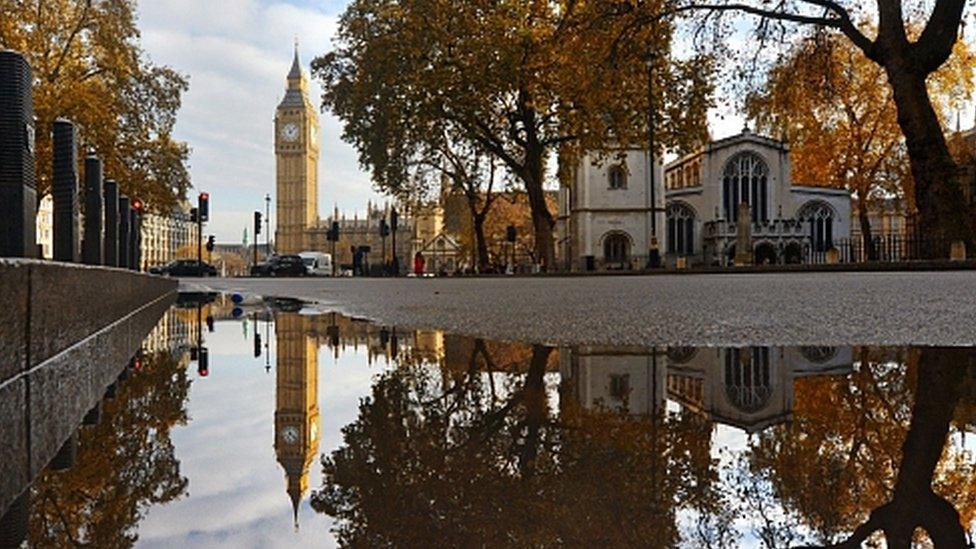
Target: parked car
288, 265
263, 268
317, 263
185, 267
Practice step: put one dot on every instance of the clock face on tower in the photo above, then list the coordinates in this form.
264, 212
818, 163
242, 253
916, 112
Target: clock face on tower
290, 132
290, 434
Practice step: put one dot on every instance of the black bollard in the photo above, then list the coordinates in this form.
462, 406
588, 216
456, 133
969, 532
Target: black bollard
124, 232
111, 247
18, 185
14, 523
65, 191
65, 458
94, 416
92, 252
135, 239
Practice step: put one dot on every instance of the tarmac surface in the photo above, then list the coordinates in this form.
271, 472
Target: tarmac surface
844, 308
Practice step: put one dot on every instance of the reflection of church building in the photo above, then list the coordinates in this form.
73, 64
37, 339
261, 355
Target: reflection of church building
749, 387
606, 218
296, 434
298, 226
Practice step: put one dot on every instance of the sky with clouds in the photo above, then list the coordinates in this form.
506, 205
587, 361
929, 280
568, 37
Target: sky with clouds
236, 54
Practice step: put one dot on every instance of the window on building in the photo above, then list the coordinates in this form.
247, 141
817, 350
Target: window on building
747, 380
619, 386
745, 179
820, 219
618, 177
616, 249
681, 229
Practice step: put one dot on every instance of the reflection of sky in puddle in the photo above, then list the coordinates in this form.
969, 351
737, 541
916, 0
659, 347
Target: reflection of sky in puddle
237, 490
722, 405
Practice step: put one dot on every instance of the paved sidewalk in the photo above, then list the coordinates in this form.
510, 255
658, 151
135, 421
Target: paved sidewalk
905, 308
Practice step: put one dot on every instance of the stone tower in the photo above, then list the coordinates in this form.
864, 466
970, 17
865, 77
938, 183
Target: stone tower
296, 403
297, 155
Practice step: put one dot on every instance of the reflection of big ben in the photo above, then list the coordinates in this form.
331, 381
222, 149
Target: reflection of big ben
297, 154
297, 409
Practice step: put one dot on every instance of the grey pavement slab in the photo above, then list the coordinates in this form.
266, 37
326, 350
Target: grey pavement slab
884, 308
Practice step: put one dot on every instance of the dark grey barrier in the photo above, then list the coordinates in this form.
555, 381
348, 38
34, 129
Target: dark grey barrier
65, 334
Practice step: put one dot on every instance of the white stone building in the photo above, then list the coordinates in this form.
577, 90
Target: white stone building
45, 227
607, 214
791, 223
163, 236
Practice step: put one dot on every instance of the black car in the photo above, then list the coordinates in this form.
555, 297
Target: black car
288, 265
263, 268
185, 267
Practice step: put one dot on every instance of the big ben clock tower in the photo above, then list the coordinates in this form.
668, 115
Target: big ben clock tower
297, 154
296, 403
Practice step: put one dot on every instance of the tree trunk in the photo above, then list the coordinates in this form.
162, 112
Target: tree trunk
481, 245
942, 210
866, 236
542, 221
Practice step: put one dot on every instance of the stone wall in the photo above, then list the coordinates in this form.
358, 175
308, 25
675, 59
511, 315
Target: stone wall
66, 333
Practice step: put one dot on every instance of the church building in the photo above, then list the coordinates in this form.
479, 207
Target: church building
789, 222
610, 211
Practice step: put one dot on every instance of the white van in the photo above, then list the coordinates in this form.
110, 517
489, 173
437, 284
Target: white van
317, 263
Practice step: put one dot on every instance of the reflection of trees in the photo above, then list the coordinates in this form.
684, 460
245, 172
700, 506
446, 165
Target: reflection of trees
865, 453
465, 456
124, 464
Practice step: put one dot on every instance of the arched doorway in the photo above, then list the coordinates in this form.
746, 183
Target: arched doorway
765, 254
793, 254
616, 251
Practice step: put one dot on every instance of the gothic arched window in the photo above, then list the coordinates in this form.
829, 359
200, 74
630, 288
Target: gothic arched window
747, 380
746, 180
618, 177
820, 219
616, 249
681, 229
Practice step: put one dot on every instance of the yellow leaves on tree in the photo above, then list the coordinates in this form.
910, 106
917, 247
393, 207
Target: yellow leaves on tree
89, 68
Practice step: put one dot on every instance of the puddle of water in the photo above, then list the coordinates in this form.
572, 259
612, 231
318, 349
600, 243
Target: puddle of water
246, 427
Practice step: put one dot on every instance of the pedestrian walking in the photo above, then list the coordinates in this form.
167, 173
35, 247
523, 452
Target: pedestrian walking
418, 264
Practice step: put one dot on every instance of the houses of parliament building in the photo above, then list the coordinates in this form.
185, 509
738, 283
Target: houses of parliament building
299, 227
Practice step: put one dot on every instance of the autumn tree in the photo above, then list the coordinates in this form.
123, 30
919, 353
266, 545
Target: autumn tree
840, 117
125, 464
884, 33
89, 68
519, 79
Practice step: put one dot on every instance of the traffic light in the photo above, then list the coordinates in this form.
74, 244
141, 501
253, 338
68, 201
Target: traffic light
394, 219
332, 235
511, 233
210, 243
384, 229
203, 362
257, 342
257, 225
137, 204
193, 215
204, 206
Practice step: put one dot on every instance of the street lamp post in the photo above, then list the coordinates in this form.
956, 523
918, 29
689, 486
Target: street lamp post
653, 253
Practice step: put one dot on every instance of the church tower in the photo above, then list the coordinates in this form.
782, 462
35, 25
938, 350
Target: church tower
297, 155
296, 403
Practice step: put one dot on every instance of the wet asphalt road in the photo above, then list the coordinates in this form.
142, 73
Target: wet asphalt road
893, 308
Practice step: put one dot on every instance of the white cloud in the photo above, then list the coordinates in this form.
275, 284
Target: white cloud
236, 54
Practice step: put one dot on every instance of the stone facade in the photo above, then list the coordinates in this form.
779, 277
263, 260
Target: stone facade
164, 236
296, 129
606, 217
791, 223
